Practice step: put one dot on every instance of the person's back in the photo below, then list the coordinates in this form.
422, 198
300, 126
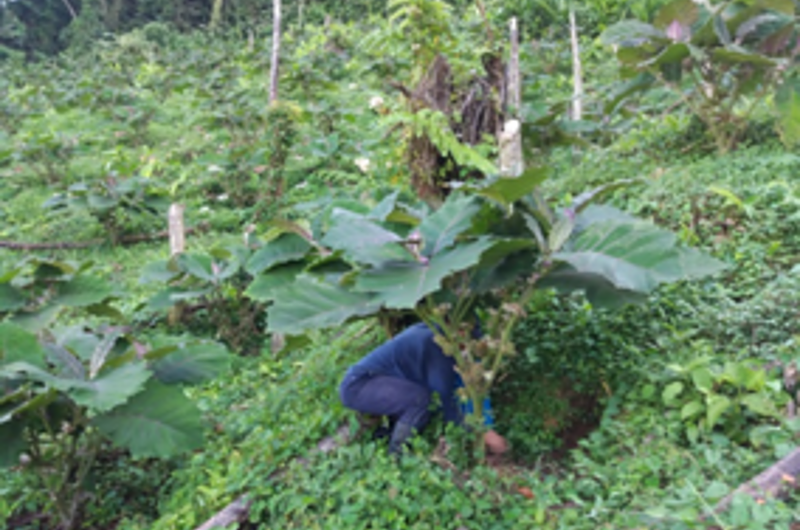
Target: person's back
413, 355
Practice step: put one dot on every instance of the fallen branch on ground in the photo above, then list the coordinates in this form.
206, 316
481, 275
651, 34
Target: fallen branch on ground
772, 482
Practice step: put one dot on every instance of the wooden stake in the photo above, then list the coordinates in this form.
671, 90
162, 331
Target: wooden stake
511, 160
177, 232
276, 49
177, 245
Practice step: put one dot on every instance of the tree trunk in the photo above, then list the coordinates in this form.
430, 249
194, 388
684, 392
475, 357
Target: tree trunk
577, 69
276, 48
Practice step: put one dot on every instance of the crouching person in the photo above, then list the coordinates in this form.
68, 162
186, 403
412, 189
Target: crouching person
397, 380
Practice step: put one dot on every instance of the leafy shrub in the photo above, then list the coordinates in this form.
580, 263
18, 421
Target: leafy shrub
728, 51
118, 204
67, 391
710, 395
206, 293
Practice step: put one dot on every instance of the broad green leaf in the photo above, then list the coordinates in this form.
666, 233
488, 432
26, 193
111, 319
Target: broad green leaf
12, 443
671, 391
715, 491
384, 208
82, 291
193, 364
508, 190
65, 363
163, 299
440, 229
159, 272
761, 404
635, 256
631, 33
599, 213
703, 379
742, 376
264, 287
674, 53
721, 30
787, 106
599, 290
285, 248
158, 422
716, 405
402, 286
560, 233
17, 344
11, 298
104, 393
364, 241
691, 409
101, 351
686, 12
536, 230
749, 27
196, 265
36, 321
779, 42
310, 304
737, 55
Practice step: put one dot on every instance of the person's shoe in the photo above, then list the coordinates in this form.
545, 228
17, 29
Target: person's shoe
381, 433
400, 435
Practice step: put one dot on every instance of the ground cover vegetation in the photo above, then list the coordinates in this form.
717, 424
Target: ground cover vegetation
637, 284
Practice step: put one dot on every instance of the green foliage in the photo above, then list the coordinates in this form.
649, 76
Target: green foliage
66, 390
707, 396
733, 55
592, 438
117, 204
207, 293
611, 256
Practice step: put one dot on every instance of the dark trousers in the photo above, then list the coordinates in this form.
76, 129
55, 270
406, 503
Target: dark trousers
405, 402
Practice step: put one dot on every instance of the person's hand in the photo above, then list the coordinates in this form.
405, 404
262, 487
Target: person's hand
495, 443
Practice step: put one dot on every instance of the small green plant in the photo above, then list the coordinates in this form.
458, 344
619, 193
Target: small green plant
207, 292
115, 202
722, 59
709, 396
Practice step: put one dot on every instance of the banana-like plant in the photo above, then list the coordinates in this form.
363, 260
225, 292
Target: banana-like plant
484, 251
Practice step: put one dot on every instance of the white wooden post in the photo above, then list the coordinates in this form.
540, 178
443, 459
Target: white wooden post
511, 162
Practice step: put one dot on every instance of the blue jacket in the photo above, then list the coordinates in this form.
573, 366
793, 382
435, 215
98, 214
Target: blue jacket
414, 355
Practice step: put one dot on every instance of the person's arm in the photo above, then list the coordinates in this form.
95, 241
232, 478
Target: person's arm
468, 408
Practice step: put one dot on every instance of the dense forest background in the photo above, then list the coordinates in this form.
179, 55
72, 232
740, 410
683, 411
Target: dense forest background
45, 27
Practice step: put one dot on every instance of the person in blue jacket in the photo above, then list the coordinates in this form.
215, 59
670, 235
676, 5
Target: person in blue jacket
397, 380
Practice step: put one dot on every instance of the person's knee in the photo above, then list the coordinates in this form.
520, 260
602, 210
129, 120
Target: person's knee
423, 400
346, 394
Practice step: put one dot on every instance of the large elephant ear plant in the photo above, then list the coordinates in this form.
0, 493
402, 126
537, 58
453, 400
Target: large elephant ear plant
496, 242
